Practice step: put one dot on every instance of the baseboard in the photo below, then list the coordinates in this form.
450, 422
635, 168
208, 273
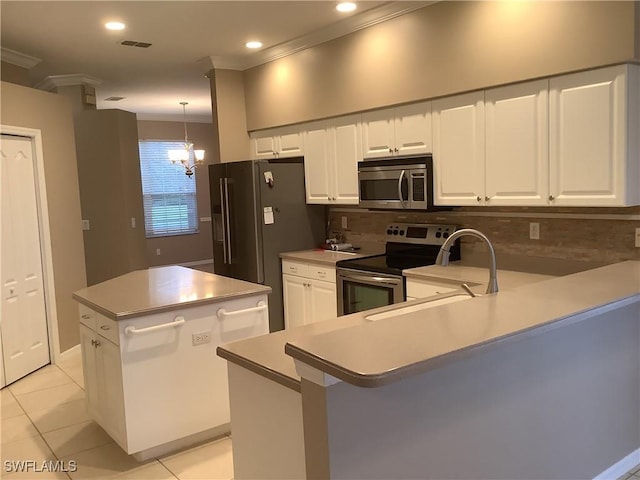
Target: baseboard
620, 468
70, 351
220, 431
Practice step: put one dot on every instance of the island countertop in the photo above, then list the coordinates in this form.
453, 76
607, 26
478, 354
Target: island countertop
318, 256
162, 289
381, 352
265, 355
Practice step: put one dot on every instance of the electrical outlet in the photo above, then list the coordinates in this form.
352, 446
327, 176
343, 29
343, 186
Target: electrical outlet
157, 251
534, 231
344, 222
200, 338
638, 237
85, 225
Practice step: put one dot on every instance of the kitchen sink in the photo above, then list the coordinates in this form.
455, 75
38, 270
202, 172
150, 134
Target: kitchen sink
420, 306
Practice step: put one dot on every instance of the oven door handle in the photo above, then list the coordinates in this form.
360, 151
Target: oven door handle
400, 189
366, 278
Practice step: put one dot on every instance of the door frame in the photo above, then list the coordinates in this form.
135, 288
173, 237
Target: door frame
45, 234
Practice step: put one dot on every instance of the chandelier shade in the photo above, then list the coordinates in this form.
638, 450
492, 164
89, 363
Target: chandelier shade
187, 156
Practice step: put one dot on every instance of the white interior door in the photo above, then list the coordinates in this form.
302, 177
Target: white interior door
25, 343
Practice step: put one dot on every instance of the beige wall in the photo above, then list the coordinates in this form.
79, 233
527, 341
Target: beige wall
445, 48
184, 248
110, 193
50, 113
14, 74
227, 95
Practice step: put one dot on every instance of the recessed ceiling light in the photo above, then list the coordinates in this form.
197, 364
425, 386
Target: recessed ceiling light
253, 44
346, 7
114, 25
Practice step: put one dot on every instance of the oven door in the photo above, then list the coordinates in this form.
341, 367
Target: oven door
384, 187
359, 291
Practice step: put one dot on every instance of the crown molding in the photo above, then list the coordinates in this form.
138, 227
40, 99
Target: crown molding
54, 81
17, 58
344, 27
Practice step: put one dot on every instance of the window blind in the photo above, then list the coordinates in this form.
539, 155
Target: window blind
169, 196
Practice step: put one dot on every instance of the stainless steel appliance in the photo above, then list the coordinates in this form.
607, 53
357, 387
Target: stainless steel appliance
374, 281
396, 183
258, 210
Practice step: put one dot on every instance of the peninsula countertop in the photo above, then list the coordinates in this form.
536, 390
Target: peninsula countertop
378, 353
162, 289
265, 355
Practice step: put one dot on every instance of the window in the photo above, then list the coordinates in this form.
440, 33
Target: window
169, 196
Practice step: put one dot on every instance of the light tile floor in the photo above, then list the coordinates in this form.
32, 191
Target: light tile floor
44, 417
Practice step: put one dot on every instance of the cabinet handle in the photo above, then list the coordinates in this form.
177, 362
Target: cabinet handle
396, 150
93, 342
105, 327
222, 313
486, 199
86, 317
97, 344
551, 198
478, 198
130, 330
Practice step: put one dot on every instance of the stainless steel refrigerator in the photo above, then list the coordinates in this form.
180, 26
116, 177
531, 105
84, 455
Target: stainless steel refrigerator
258, 210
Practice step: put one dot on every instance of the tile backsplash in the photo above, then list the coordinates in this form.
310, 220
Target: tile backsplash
600, 235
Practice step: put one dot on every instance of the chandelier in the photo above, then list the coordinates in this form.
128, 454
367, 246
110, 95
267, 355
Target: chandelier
185, 154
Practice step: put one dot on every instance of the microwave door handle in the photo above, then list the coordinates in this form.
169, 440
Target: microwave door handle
224, 228
400, 189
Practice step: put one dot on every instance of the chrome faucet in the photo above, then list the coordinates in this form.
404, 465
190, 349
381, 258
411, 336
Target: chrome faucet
443, 255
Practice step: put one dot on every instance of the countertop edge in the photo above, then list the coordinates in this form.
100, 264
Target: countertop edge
379, 379
167, 308
259, 369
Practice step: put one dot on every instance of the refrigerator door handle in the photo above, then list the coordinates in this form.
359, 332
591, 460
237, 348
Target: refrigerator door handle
226, 211
224, 227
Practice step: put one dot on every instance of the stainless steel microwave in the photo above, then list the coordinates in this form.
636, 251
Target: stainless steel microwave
396, 183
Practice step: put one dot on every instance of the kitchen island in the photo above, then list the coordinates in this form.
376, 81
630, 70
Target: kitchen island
148, 340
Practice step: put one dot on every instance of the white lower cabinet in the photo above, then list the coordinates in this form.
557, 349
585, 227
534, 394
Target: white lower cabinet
417, 288
154, 382
309, 293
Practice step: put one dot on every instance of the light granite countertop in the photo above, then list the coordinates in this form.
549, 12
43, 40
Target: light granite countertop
265, 355
378, 353
162, 289
319, 256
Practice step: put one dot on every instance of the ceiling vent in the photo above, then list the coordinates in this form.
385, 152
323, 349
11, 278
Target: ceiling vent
131, 43
113, 99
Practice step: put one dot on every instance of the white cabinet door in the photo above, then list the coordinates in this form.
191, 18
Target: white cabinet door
294, 292
323, 303
317, 164
347, 152
588, 138
110, 392
276, 143
90, 371
263, 147
290, 144
458, 149
517, 159
413, 129
378, 134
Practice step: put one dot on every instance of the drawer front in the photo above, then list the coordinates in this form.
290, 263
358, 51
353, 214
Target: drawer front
295, 268
418, 289
108, 328
88, 317
328, 274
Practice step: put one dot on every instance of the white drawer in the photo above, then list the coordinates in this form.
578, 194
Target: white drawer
87, 316
319, 272
295, 268
108, 328
420, 289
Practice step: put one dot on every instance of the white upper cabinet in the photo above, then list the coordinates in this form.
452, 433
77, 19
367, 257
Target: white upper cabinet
277, 143
458, 149
332, 152
397, 131
517, 144
594, 137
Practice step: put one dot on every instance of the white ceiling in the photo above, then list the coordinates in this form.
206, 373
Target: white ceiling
188, 38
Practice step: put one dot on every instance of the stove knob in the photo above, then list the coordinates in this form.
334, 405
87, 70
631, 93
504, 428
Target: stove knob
445, 234
438, 234
389, 232
395, 232
401, 232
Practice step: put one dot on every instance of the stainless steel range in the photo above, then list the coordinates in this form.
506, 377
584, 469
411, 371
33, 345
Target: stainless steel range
374, 281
